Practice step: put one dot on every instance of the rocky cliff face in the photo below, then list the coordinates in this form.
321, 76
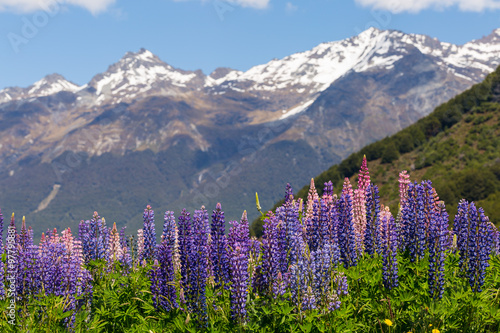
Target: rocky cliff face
145, 132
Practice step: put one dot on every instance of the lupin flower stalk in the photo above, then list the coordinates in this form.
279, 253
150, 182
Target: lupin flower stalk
359, 205
314, 230
67, 240
322, 272
156, 283
239, 286
328, 192
346, 236
171, 234
149, 234
198, 260
347, 188
140, 245
312, 196
126, 257
388, 250
483, 250
404, 182
300, 279
94, 236
414, 221
438, 239
115, 251
164, 273
185, 248
270, 264
2, 279
218, 249
1, 233
239, 246
288, 193
372, 219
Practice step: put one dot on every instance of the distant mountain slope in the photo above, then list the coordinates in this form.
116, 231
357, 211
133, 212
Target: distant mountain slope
144, 132
457, 146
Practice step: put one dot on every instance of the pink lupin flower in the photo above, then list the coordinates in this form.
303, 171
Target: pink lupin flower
140, 243
364, 175
77, 251
311, 197
404, 181
347, 188
359, 204
115, 251
54, 237
67, 240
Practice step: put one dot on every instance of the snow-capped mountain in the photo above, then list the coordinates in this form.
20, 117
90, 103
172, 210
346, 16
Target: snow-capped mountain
49, 85
185, 135
142, 73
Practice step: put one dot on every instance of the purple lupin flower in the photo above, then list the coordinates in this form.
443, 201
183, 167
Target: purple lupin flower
438, 234
149, 235
288, 193
328, 189
185, 248
156, 282
279, 285
483, 252
300, 278
94, 236
218, 248
313, 234
294, 232
346, 237
171, 234
239, 286
322, 268
1, 233
166, 275
388, 250
415, 218
372, 219
198, 260
239, 247
270, 264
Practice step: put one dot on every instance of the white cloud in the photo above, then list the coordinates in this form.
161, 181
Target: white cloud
258, 4
415, 6
26, 6
290, 7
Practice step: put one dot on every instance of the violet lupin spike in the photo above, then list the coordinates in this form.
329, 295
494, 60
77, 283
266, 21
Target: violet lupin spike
270, 254
372, 219
346, 236
1, 233
288, 193
438, 233
185, 248
239, 286
389, 251
218, 249
171, 233
198, 263
149, 234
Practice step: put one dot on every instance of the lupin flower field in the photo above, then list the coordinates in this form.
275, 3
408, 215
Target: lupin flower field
341, 262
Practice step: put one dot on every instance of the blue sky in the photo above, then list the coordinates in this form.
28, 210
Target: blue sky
80, 38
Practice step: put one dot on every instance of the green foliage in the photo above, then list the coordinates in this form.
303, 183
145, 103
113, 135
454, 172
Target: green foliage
122, 303
390, 153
